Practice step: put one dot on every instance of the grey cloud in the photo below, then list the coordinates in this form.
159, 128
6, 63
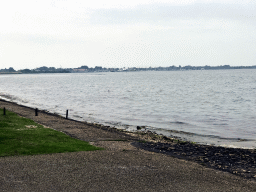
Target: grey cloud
43, 40
165, 12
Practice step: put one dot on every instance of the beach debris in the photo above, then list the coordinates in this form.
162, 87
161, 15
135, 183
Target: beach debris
141, 127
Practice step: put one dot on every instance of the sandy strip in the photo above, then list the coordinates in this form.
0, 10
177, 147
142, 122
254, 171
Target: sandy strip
121, 167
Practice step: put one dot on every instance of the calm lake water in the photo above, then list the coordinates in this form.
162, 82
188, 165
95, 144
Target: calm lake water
210, 107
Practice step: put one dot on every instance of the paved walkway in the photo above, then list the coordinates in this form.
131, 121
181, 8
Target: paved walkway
121, 167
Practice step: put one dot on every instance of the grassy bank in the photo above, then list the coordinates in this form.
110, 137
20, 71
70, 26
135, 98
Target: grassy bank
21, 136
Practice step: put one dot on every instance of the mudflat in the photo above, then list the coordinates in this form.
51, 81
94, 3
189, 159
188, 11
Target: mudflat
126, 164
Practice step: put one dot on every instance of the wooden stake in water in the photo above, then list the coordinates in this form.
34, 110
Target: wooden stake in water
66, 114
36, 112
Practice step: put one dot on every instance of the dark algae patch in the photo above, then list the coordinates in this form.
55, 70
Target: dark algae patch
21, 136
240, 162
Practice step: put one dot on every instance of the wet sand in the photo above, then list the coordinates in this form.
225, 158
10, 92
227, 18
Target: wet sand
130, 162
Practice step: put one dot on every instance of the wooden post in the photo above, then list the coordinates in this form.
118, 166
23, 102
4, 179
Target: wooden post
4, 111
66, 114
36, 112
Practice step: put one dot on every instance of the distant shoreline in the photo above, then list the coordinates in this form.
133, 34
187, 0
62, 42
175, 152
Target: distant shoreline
3, 73
86, 69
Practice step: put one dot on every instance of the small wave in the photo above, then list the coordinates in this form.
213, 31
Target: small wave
77, 116
190, 134
8, 97
220, 124
95, 74
178, 122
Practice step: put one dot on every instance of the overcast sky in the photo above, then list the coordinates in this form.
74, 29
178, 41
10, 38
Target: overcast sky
137, 33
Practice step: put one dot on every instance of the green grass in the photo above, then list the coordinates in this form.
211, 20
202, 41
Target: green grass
21, 136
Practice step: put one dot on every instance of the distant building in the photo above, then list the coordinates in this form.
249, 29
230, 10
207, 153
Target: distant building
79, 70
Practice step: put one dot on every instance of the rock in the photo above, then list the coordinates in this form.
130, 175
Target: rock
237, 161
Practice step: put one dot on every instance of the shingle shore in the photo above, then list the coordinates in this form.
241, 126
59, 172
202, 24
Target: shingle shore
236, 161
121, 167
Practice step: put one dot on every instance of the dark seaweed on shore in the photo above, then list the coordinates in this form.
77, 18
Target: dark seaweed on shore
240, 162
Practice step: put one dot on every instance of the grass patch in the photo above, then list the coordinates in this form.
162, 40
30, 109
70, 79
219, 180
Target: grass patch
21, 136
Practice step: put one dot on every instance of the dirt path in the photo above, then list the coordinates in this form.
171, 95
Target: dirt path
121, 167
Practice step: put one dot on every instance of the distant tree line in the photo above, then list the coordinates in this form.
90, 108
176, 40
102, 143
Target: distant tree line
10, 70
85, 69
45, 69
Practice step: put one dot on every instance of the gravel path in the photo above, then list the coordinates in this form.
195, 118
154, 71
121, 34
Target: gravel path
123, 166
